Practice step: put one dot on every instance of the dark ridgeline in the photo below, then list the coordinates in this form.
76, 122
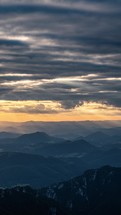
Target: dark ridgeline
25, 200
97, 191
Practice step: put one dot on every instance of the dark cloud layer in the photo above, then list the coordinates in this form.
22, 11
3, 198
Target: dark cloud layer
64, 51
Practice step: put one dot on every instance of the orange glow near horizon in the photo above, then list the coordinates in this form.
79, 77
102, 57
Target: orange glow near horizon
21, 111
23, 117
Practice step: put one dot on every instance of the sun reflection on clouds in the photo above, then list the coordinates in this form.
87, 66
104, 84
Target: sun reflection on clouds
15, 75
16, 37
35, 83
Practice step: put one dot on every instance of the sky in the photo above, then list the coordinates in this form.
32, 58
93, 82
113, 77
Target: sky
60, 60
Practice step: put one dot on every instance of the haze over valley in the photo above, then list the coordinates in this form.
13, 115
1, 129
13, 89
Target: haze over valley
40, 159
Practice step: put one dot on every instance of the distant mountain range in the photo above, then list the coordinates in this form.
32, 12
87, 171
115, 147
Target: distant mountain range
41, 159
67, 129
44, 144
105, 137
97, 191
37, 137
30, 143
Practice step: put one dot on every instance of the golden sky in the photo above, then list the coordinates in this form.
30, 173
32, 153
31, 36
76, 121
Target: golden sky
18, 111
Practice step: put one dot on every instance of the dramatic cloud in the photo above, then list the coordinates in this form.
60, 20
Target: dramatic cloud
65, 52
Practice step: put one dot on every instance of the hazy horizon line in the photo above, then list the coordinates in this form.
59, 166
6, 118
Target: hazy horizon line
61, 121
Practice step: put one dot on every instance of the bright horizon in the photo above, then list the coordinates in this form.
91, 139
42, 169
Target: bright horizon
88, 111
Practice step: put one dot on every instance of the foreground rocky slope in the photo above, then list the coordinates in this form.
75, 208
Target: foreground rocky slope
97, 191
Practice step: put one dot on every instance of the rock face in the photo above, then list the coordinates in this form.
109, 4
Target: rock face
97, 191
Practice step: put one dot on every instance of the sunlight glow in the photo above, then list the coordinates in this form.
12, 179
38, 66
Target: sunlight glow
53, 111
